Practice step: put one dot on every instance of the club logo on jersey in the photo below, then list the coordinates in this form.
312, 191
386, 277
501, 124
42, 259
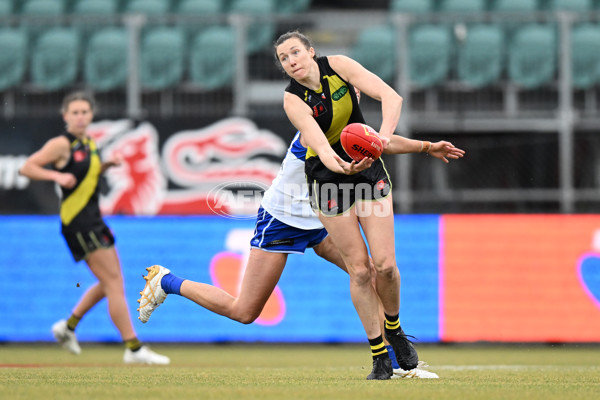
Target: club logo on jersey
338, 94
331, 204
78, 156
318, 109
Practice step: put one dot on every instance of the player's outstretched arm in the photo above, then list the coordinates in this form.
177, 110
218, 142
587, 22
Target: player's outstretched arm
442, 149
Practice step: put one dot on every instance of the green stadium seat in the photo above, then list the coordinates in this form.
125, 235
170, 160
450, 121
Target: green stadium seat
462, 5
212, 58
55, 58
6, 8
148, 7
205, 8
97, 8
511, 25
375, 49
162, 58
260, 34
199, 7
532, 56
585, 54
122, 5
430, 48
291, 7
105, 60
571, 5
38, 16
43, 8
514, 5
94, 15
13, 57
480, 57
411, 6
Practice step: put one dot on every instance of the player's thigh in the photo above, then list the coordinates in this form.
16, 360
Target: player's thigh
345, 233
327, 250
377, 220
261, 275
104, 264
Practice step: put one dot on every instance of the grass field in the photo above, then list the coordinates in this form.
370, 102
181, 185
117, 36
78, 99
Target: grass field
298, 372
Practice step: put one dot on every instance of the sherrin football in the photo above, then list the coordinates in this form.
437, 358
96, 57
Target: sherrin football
360, 141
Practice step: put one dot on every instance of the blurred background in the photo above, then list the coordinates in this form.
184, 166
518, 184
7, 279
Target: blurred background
502, 245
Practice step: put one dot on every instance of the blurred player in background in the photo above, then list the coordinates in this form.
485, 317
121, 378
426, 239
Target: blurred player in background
285, 225
76, 169
320, 101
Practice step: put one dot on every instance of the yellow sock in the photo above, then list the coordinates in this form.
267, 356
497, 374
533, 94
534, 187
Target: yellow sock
392, 322
133, 344
378, 347
72, 322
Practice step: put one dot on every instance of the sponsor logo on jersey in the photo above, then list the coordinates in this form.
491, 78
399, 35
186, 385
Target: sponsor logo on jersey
338, 94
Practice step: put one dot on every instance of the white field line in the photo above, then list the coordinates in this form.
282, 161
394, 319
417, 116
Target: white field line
510, 367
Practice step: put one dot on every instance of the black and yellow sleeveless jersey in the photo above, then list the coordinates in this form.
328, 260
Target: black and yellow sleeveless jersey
334, 106
79, 208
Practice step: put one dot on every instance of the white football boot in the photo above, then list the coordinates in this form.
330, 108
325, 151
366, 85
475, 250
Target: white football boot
418, 373
153, 294
144, 356
65, 336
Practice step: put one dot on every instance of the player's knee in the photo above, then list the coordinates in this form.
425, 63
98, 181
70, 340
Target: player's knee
246, 319
361, 276
246, 316
386, 270
113, 288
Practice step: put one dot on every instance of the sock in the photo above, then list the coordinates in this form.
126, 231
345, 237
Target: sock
72, 322
133, 344
171, 284
392, 356
392, 322
378, 349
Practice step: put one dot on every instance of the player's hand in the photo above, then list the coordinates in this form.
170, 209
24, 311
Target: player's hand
354, 167
445, 150
66, 180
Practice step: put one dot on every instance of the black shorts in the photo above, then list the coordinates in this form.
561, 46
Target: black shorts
83, 243
335, 198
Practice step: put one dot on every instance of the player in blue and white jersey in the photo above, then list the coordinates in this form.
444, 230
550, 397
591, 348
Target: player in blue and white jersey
285, 225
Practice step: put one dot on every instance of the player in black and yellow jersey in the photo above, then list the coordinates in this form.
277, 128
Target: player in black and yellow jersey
320, 101
76, 168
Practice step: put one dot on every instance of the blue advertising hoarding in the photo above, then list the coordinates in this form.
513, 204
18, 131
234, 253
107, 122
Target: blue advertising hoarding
41, 282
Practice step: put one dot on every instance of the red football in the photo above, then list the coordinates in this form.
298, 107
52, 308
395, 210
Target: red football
360, 141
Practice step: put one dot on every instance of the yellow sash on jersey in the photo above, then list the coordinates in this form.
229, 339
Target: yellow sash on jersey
72, 205
341, 109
